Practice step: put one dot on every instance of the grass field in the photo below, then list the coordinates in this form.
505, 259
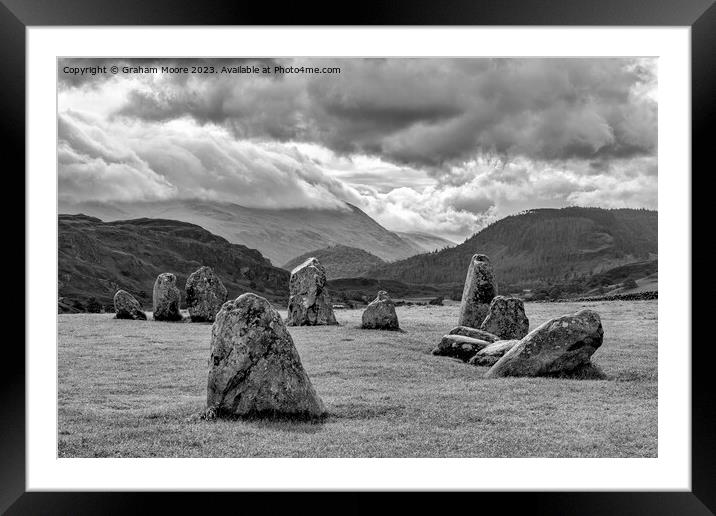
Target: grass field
130, 389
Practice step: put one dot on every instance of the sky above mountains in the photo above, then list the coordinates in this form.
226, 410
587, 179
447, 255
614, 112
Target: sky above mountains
436, 145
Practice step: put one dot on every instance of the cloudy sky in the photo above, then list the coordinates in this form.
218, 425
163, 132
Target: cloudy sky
437, 145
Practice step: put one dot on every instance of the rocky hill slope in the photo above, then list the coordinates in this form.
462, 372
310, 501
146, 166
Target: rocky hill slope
96, 258
340, 261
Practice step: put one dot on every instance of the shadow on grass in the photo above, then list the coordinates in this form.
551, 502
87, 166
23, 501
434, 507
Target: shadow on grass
293, 425
394, 330
304, 423
586, 372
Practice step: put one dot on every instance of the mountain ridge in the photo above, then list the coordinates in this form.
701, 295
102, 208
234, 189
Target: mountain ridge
425, 241
540, 246
340, 261
279, 235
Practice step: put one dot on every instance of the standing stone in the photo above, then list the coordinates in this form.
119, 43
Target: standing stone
480, 288
380, 314
254, 368
205, 293
166, 298
506, 318
560, 346
309, 304
127, 307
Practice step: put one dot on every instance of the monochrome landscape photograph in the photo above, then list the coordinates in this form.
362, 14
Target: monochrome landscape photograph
357, 257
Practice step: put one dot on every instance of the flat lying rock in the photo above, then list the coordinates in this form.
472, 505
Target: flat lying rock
558, 347
506, 318
126, 306
480, 288
254, 368
489, 355
459, 346
474, 333
166, 298
309, 303
380, 314
205, 293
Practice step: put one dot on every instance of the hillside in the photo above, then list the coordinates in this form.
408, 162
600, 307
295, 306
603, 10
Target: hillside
340, 261
96, 258
279, 235
425, 241
364, 290
632, 278
540, 247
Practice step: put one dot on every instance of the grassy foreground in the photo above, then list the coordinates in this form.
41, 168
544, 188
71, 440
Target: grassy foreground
129, 389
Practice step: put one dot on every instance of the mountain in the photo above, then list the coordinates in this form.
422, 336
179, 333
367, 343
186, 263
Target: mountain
340, 261
425, 241
280, 235
96, 258
539, 247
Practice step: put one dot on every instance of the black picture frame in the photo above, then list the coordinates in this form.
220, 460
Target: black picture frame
700, 15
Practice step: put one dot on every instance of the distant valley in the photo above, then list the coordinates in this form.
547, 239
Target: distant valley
280, 235
539, 254
425, 241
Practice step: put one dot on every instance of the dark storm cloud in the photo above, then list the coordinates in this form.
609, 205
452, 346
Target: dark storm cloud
423, 112
435, 145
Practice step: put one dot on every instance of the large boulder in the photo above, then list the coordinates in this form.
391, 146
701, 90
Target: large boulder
556, 348
166, 298
506, 318
127, 307
489, 355
480, 288
474, 333
380, 314
205, 293
254, 368
459, 346
309, 303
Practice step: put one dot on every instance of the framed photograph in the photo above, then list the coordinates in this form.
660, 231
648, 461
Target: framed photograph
419, 250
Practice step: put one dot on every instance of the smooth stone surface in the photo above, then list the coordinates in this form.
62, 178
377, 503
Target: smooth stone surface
459, 346
475, 333
489, 355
